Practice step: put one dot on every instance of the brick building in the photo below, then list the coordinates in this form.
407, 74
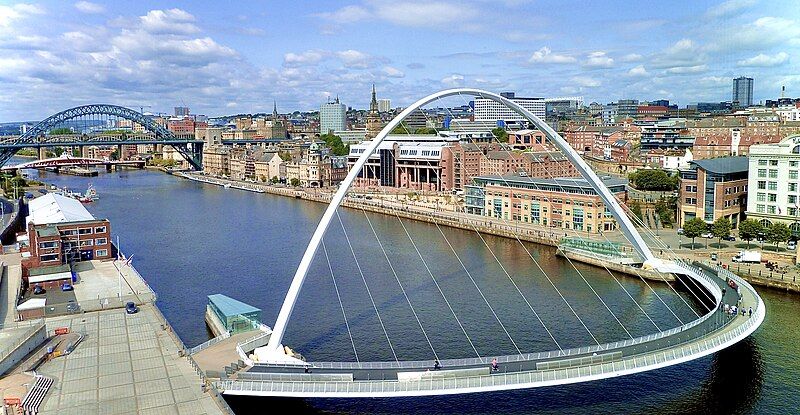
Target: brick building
714, 188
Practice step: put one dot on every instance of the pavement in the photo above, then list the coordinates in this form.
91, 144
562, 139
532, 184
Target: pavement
127, 363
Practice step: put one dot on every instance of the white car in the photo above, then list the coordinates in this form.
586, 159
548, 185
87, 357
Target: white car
708, 235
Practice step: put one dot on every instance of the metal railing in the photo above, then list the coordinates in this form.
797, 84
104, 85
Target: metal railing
208, 343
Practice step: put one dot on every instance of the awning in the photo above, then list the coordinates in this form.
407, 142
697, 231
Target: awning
32, 304
49, 277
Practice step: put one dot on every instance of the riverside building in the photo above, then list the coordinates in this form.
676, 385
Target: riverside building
714, 188
773, 177
560, 203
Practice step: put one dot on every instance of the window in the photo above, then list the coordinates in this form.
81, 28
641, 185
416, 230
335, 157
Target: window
761, 197
772, 197
101, 252
772, 186
793, 163
773, 162
69, 232
762, 185
87, 242
100, 241
84, 231
792, 199
100, 229
48, 245
773, 173
760, 208
48, 257
793, 174
762, 162
771, 209
792, 187
762, 173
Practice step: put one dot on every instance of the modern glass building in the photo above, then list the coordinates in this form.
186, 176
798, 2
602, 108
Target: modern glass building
236, 316
743, 91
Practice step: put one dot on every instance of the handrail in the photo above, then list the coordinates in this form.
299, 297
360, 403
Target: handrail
208, 343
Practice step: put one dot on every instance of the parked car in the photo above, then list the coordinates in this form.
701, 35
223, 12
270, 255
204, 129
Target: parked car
131, 308
707, 235
792, 245
38, 289
730, 238
680, 231
66, 287
72, 306
714, 257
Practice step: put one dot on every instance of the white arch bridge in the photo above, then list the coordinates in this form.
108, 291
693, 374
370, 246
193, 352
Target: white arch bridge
273, 373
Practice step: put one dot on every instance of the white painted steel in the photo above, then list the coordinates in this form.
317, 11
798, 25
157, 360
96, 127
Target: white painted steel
274, 346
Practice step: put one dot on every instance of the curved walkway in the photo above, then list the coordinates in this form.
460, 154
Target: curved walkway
708, 334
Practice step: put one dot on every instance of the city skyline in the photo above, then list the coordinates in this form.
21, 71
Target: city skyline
158, 55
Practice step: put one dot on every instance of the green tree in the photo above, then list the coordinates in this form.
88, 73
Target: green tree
653, 180
335, 143
274, 179
501, 134
294, 182
749, 230
778, 232
666, 210
401, 128
694, 228
636, 209
425, 131
721, 229
61, 131
59, 151
263, 178
285, 155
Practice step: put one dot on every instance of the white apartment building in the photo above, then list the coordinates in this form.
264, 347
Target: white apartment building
384, 105
488, 110
332, 117
774, 183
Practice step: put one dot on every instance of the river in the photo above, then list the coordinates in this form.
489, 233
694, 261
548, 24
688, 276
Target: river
190, 240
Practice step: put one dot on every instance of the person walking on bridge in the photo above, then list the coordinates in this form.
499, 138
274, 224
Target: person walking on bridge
495, 366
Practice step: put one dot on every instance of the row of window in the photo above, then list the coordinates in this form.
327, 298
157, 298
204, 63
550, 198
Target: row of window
83, 231
773, 162
54, 257
773, 173
84, 242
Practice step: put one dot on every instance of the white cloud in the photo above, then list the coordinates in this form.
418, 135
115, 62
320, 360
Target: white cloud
393, 72
683, 70
638, 71
632, 57
762, 33
88, 7
175, 21
354, 59
18, 11
729, 8
598, 60
682, 54
453, 80
545, 55
762, 60
309, 57
424, 13
585, 81
347, 14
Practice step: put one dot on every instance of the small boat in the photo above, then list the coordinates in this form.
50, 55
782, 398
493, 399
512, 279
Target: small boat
227, 185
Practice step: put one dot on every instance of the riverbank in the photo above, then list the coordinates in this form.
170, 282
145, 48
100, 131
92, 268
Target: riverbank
521, 232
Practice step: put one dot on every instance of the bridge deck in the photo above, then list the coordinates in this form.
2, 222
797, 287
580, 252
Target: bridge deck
704, 336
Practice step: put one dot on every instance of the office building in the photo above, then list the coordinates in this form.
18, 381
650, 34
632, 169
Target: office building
493, 111
384, 105
774, 179
714, 188
332, 117
742, 91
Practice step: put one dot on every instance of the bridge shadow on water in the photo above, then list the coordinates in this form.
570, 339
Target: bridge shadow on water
728, 382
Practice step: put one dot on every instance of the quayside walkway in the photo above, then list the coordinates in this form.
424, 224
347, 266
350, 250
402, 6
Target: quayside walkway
708, 334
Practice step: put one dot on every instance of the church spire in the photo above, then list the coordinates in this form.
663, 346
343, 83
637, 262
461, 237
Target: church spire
274, 110
373, 105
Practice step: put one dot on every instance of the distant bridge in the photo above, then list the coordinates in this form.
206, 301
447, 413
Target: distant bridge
68, 161
44, 134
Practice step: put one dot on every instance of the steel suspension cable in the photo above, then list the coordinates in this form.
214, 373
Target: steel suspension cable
369, 292
339, 297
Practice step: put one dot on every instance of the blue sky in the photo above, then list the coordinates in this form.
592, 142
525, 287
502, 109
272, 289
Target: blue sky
223, 57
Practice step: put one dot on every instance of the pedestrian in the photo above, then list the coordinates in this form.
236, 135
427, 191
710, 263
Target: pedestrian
436, 365
495, 366
750, 312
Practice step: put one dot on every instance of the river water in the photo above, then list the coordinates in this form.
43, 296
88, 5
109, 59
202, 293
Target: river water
190, 240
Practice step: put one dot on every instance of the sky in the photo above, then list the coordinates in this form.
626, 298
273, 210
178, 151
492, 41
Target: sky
227, 57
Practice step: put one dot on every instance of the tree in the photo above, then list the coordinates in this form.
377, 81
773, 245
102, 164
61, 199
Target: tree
653, 180
721, 229
401, 128
285, 155
274, 179
666, 209
636, 209
501, 134
61, 131
694, 228
425, 131
263, 178
335, 143
778, 232
749, 229
294, 182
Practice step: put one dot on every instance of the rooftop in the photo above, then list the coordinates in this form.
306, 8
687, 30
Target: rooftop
54, 208
723, 165
558, 181
230, 307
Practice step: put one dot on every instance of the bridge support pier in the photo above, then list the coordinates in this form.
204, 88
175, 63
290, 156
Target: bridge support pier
42, 153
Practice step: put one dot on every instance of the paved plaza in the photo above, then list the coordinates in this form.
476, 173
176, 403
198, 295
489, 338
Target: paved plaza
126, 364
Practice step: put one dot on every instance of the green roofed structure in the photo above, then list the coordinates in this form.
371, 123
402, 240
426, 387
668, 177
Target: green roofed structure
234, 316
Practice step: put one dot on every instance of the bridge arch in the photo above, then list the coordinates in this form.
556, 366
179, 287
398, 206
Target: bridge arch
626, 225
36, 135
